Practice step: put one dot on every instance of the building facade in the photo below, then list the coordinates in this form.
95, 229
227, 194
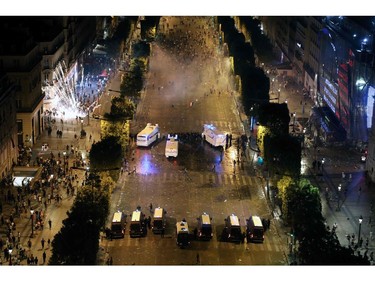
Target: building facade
20, 58
30, 50
333, 58
8, 126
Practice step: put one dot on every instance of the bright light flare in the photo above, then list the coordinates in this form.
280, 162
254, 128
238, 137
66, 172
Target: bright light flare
61, 93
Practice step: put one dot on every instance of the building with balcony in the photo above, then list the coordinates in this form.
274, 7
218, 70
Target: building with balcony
30, 50
8, 126
20, 58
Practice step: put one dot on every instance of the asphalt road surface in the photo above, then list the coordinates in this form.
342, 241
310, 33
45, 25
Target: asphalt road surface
190, 83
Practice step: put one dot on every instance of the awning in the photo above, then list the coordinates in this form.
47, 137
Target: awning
329, 123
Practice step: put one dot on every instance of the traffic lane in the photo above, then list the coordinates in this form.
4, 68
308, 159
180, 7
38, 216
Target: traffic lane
157, 250
194, 155
186, 196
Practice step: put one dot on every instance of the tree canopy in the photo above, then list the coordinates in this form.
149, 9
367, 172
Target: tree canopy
283, 154
261, 43
106, 154
132, 80
255, 88
121, 108
275, 116
317, 245
77, 242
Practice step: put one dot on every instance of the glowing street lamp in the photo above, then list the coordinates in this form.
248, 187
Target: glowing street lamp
338, 197
32, 223
10, 256
294, 121
359, 228
81, 124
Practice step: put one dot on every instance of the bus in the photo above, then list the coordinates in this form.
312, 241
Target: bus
213, 136
118, 225
171, 148
148, 135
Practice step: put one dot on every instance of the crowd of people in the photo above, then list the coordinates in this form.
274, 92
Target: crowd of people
55, 181
189, 43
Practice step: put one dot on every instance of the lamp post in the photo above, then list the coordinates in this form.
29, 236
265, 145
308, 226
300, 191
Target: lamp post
81, 125
278, 95
32, 223
10, 256
251, 119
338, 197
359, 228
268, 183
303, 137
294, 121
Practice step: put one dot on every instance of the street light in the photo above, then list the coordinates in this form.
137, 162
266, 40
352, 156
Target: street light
278, 95
32, 223
81, 125
338, 197
303, 137
359, 228
294, 121
10, 256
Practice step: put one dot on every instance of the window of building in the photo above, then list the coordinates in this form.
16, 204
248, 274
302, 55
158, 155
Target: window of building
19, 126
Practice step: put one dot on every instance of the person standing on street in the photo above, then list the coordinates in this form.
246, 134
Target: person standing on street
42, 242
50, 223
44, 257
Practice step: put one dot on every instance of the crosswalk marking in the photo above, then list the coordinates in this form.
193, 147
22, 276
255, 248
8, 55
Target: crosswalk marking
219, 124
212, 178
268, 247
226, 180
219, 179
201, 178
231, 180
